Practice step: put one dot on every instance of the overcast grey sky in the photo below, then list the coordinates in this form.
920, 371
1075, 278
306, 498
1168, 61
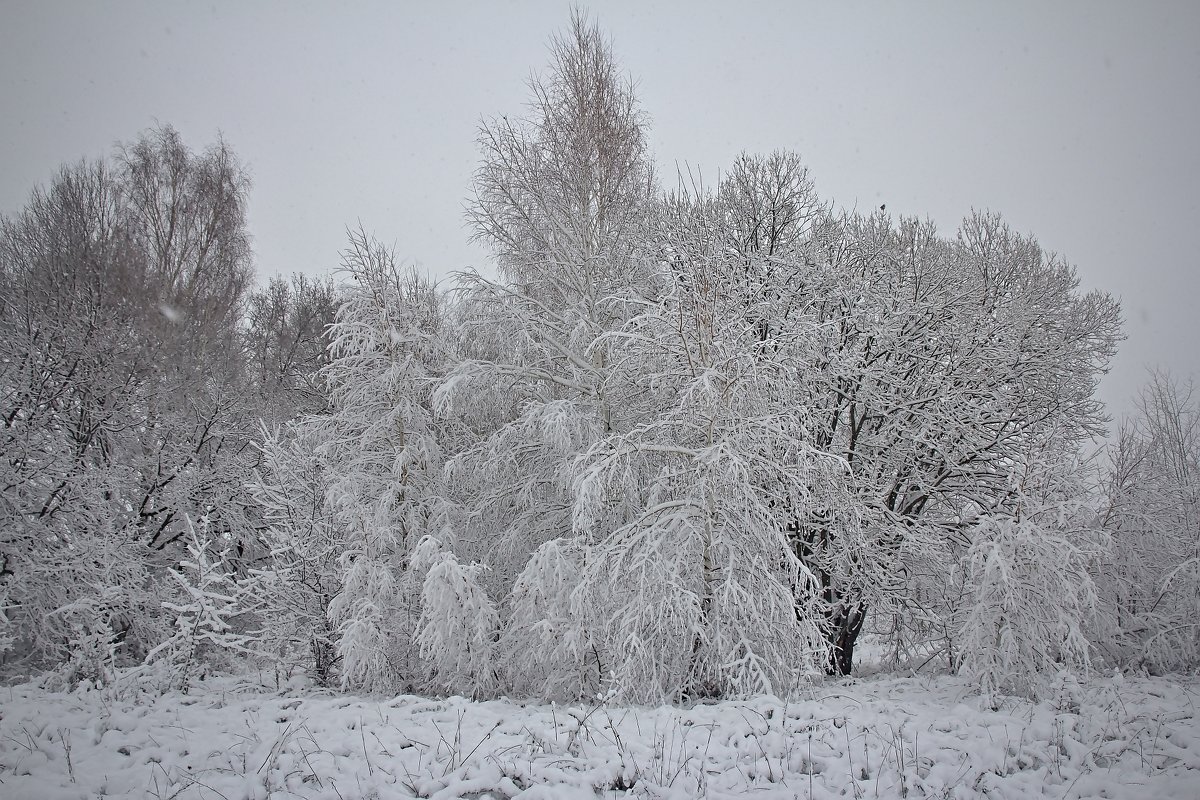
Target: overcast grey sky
1079, 122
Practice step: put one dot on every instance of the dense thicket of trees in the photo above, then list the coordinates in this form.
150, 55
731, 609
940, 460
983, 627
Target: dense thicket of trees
122, 286
692, 441
132, 381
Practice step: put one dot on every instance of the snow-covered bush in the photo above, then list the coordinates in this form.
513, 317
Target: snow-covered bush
545, 650
92, 654
1150, 584
291, 592
458, 626
1031, 599
6, 626
207, 626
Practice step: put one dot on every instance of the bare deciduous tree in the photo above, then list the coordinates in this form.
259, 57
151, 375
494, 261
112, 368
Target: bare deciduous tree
1151, 582
286, 325
121, 375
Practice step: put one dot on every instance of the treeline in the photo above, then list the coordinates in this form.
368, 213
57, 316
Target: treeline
136, 362
691, 442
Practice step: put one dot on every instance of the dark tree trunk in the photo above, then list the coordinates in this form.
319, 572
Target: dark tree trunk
845, 613
845, 623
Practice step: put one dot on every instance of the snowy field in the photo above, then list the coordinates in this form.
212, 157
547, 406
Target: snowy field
877, 737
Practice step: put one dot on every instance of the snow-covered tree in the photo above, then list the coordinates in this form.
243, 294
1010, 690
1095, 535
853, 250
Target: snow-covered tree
689, 584
120, 393
934, 366
681, 444
561, 198
1151, 582
382, 457
285, 337
207, 623
1031, 604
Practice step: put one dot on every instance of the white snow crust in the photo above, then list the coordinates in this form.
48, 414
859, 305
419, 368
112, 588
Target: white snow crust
885, 737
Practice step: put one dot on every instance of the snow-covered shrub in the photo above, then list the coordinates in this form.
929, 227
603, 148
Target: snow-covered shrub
545, 651
458, 626
290, 594
1175, 643
1150, 583
917, 626
640, 595
66, 583
1031, 597
6, 627
205, 619
92, 655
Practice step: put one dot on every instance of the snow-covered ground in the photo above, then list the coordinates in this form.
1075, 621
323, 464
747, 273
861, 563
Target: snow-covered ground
878, 737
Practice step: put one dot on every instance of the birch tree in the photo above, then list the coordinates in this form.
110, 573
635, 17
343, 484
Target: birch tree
690, 586
561, 197
382, 458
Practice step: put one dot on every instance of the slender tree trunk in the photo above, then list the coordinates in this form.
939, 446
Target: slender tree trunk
844, 613
845, 622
